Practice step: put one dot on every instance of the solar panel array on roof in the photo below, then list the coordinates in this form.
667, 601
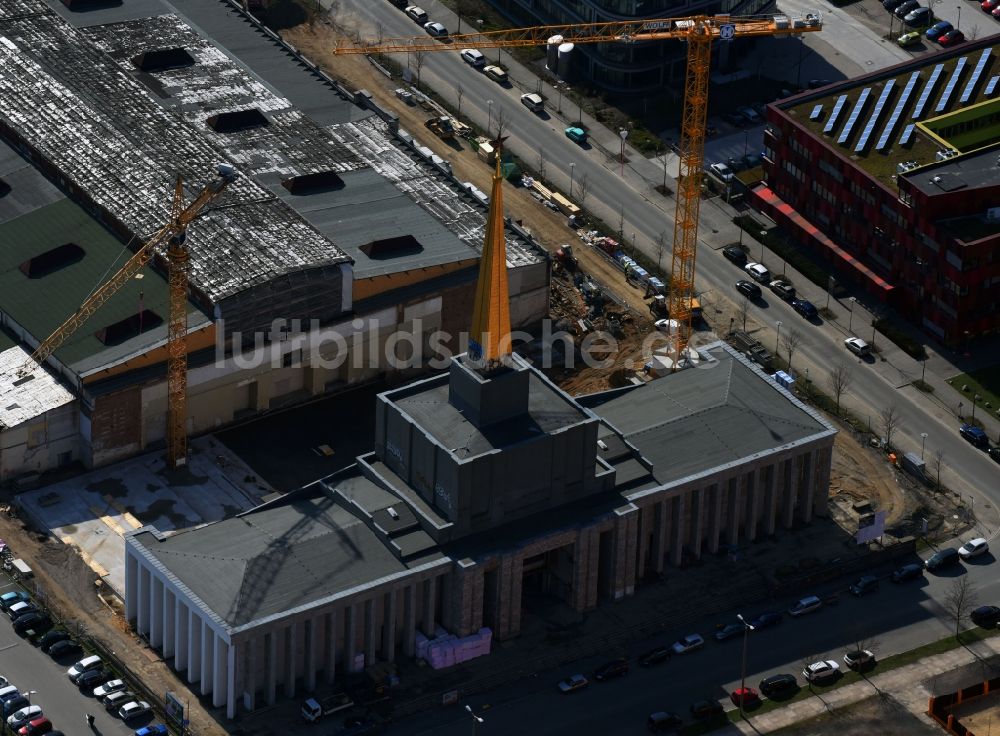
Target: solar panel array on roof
873, 119
952, 81
855, 112
816, 112
976, 74
907, 134
992, 85
918, 111
838, 106
890, 124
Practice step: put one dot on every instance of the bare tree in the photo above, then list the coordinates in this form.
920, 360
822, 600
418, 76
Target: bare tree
621, 222
419, 57
581, 190
974, 32
937, 460
960, 601
743, 311
459, 93
840, 383
889, 419
501, 121
661, 244
541, 162
458, 14
664, 159
791, 341
863, 646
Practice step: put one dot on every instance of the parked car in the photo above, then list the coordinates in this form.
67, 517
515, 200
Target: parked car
919, 17
23, 717
783, 289
497, 74
909, 39
778, 685
474, 57
859, 659
748, 289
610, 670
891, 5
901, 11
766, 619
91, 679
114, 701
821, 671
806, 605
8, 691
533, 102
942, 558
15, 704
35, 621
758, 272
705, 710
435, 29
722, 171
973, 548
46, 642
986, 616
729, 631
752, 116
655, 656
135, 709
806, 308
690, 643
577, 135
154, 729
911, 571
864, 585
752, 160
858, 346
15, 596
86, 664
21, 609
663, 722
36, 727
734, 118
111, 686
64, 648
748, 694
937, 30
994, 453
974, 435
817, 83
573, 683
952, 38
989, 5
736, 254
416, 13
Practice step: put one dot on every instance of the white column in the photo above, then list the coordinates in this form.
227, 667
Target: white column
330, 644
131, 586
220, 671
207, 658
310, 655
142, 601
271, 667
231, 681
291, 661
389, 626
169, 623
180, 635
155, 612
194, 647
249, 650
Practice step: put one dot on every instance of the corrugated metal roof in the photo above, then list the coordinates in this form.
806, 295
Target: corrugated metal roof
23, 400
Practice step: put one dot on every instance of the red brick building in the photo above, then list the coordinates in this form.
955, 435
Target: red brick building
893, 179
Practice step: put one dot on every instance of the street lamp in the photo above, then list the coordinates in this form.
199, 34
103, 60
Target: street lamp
476, 720
777, 337
975, 398
489, 124
747, 628
959, 24
623, 134
850, 322
28, 693
571, 167
923, 439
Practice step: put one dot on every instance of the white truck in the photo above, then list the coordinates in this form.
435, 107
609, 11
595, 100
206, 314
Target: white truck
314, 710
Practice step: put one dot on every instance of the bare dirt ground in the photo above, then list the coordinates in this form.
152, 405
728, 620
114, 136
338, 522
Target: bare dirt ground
980, 715
69, 589
872, 716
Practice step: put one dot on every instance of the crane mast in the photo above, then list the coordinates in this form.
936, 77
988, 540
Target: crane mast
699, 31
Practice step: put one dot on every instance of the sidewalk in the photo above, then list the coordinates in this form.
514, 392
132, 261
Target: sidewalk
910, 685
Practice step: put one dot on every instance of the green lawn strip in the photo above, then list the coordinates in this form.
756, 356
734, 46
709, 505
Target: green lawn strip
985, 382
849, 677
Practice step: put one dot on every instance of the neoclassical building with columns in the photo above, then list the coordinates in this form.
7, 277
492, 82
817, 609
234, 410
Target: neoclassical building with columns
480, 490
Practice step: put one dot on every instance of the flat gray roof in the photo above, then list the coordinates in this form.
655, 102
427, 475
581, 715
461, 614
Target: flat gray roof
549, 410
700, 419
276, 558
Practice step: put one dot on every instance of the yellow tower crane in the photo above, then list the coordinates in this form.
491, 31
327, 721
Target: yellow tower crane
699, 31
175, 233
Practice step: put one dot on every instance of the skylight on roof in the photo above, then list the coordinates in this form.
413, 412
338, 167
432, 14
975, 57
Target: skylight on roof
52, 260
163, 59
230, 122
131, 326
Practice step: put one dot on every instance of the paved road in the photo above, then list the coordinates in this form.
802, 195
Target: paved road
62, 702
900, 617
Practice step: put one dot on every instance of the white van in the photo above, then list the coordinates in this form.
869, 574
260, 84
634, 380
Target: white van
474, 57
533, 102
86, 664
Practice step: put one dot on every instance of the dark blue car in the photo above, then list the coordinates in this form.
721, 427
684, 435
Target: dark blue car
805, 308
975, 435
937, 30
156, 729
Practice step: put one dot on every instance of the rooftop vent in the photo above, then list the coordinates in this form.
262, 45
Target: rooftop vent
52, 260
945, 154
401, 245
163, 59
126, 329
90, 4
321, 181
392, 513
230, 122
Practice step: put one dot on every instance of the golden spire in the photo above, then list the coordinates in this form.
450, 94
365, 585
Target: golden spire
489, 341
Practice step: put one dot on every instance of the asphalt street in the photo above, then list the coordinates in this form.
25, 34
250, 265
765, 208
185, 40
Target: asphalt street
893, 619
62, 702
846, 43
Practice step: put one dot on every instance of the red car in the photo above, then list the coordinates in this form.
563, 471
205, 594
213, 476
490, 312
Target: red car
996, 13
989, 5
35, 727
750, 696
953, 37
